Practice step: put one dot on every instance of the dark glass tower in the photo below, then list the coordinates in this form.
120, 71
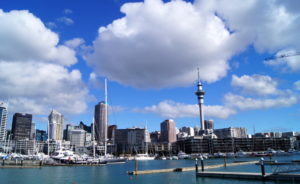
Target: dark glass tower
21, 126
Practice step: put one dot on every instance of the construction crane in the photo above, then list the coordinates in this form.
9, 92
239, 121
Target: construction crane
282, 56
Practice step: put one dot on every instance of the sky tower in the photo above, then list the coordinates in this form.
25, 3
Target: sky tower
200, 94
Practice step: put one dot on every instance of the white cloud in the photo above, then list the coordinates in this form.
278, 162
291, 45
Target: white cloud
94, 81
74, 43
24, 37
38, 87
51, 25
285, 64
33, 68
270, 25
255, 84
66, 20
170, 109
297, 85
158, 45
67, 11
244, 103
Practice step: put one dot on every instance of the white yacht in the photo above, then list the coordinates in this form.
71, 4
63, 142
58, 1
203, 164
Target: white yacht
241, 153
183, 155
143, 157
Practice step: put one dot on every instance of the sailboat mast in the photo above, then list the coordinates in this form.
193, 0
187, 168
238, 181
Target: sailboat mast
48, 127
106, 117
94, 151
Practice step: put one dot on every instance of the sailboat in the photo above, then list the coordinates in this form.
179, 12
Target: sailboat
108, 157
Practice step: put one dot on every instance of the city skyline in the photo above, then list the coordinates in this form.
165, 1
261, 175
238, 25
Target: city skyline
151, 62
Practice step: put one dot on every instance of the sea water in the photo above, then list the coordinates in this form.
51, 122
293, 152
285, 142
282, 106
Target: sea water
117, 173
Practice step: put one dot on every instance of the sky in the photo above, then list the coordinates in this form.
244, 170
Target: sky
56, 54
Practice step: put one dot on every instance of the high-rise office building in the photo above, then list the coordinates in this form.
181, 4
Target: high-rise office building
3, 120
168, 131
208, 124
21, 126
41, 135
111, 131
132, 140
100, 122
56, 121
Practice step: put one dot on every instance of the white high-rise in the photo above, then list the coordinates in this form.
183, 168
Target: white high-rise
3, 120
56, 121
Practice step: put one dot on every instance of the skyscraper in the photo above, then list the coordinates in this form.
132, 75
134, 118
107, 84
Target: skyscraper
56, 121
208, 124
168, 131
100, 122
3, 120
21, 126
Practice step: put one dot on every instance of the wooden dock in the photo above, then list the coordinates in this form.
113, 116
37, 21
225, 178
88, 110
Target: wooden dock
187, 168
249, 176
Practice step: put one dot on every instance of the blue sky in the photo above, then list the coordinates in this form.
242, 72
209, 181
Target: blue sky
55, 54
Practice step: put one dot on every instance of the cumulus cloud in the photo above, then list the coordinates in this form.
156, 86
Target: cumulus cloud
255, 84
244, 103
24, 37
38, 87
269, 25
171, 109
158, 45
33, 68
285, 61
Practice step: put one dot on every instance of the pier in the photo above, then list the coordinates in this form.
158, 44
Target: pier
249, 176
153, 171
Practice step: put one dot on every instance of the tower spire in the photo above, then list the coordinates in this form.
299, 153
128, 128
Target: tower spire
200, 95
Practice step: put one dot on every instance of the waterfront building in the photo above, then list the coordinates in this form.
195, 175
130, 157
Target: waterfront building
155, 136
21, 126
290, 134
230, 133
199, 144
111, 131
100, 122
56, 121
188, 130
25, 146
208, 124
196, 130
41, 135
132, 140
77, 137
168, 131
3, 120
85, 127
33, 132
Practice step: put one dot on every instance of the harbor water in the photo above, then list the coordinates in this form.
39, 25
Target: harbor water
117, 173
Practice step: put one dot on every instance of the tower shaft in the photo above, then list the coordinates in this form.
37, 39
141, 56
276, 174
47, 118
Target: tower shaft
200, 94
